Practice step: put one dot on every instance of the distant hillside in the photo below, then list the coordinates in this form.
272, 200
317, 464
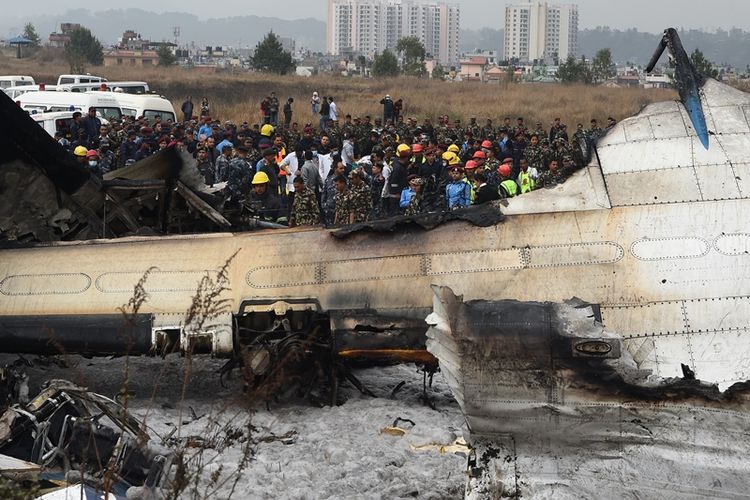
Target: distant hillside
237, 31
721, 47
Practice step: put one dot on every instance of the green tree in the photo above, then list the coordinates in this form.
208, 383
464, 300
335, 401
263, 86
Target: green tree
271, 57
29, 31
413, 54
438, 71
166, 57
602, 68
702, 65
82, 49
574, 71
385, 64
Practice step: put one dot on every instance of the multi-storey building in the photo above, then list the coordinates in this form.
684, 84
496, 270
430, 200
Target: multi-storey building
368, 27
540, 31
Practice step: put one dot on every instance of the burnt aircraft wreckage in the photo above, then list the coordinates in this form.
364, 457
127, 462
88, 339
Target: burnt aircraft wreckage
595, 336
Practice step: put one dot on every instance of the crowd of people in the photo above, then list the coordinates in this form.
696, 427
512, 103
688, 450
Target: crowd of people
334, 172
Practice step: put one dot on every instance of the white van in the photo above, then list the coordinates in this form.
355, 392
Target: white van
15, 81
14, 92
126, 87
45, 102
147, 105
59, 121
67, 79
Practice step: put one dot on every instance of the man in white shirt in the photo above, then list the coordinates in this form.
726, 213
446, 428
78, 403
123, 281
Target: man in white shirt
290, 164
347, 150
332, 110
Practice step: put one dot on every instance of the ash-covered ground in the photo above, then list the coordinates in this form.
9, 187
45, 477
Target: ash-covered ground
293, 449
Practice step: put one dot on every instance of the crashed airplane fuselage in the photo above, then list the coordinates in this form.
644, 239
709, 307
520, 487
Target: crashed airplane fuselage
651, 238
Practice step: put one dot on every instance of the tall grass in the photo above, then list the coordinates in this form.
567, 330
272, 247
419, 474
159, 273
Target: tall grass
237, 96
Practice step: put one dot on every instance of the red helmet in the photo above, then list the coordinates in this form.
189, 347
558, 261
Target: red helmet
487, 144
416, 148
471, 164
479, 154
504, 170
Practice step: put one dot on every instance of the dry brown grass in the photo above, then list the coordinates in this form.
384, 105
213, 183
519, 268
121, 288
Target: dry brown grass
237, 96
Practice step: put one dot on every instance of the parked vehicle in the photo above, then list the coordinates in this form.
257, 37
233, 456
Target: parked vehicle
68, 79
58, 121
147, 105
15, 81
44, 102
128, 87
16, 91
108, 104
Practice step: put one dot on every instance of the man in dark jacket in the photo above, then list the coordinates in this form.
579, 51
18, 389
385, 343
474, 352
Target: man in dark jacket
187, 109
90, 125
398, 179
387, 103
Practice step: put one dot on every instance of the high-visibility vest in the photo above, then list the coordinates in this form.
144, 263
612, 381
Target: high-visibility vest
511, 188
526, 181
472, 193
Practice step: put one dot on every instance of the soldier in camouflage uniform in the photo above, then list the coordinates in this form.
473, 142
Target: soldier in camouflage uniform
579, 137
595, 132
341, 210
222, 163
116, 136
328, 193
238, 175
473, 127
579, 145
441, 131
552, 175
377, 184
107, 158
305, 211
360, 198
292, 136
205, 167
520, 128
333, 131
492, 162
488, 131
563, 153
347, 126
416, 203
534, 153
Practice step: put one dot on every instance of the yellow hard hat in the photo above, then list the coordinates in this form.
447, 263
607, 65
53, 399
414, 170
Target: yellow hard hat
403, 150
80, 151
266, 130
453, 148
261, 178
451, 158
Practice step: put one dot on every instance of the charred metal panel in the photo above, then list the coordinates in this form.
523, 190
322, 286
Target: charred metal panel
380, 334
511, 362
22, 138
59, 334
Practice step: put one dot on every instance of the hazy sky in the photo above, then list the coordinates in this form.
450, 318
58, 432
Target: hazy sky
646, 15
